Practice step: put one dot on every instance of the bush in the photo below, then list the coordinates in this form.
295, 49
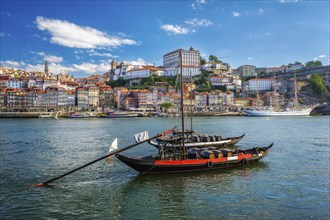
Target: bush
318, 84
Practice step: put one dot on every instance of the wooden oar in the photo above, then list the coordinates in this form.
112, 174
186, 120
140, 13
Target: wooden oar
101, 158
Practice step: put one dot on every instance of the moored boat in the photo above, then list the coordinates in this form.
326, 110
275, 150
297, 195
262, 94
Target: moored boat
269, 113
120, 115
49, 115
159, 165
81, 115
193, 139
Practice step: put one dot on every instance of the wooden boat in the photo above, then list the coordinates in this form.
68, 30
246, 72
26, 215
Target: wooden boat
159, 164
193, 139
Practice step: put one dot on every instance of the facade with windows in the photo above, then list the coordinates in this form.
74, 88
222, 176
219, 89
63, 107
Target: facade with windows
190, 62
246, 71
261, 84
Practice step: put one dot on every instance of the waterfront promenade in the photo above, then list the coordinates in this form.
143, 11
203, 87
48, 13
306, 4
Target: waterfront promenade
64, 115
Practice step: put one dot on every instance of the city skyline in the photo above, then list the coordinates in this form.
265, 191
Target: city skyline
82, 38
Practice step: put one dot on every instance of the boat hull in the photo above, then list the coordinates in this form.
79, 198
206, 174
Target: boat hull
152, 165
260, 113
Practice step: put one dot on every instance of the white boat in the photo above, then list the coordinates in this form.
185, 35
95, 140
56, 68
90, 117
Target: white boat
47, 115
266, 113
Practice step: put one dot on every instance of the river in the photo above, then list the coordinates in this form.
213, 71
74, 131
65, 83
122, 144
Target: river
292, 182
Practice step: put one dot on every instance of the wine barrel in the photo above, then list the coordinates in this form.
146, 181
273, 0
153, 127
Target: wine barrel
207, 154
217, 138
193, 153
227, 153
217, 154
204, 138
212, 138
195, 138
211, 148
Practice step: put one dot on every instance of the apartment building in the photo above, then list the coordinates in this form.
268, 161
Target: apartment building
190, 62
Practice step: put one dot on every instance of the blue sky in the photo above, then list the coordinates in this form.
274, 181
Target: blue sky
82, 37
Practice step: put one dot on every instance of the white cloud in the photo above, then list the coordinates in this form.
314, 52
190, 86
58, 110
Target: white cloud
250, 58
139, 62
10, 64
71, 35
198, 4
2, 34
288, 1
95, 53
91, 68
198, 22
40, 37
174, 29
261, 11
320, 57
54, 68
86, 67
49, 58
236, 14
267, 34
53, 59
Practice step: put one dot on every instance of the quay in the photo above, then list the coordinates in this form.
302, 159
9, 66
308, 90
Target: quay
63, 115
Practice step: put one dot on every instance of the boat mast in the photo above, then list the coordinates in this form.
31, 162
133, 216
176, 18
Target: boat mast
257, 83
182, 111
190, 94
274, 102
295, 103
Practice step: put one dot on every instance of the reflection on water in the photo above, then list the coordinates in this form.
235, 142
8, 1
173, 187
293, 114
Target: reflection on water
292, 182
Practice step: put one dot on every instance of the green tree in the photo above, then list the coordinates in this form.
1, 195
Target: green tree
314, 63
318, 84
166, 105
213, 58
203, 61
116, 83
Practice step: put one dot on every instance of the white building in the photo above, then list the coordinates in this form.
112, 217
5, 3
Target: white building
295, 66
190, 62
261, 84
82, 98
14, 83
62, 97
121, 70
143, 72
50, 83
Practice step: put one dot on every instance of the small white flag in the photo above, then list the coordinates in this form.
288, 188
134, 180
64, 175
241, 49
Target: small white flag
141, 136
114, 146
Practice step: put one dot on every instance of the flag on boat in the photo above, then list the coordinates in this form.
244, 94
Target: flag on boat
114, 146
141, 136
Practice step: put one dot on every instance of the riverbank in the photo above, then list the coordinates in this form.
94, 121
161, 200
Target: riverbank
63, 115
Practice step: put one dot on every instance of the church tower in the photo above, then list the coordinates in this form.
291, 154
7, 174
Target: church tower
46, 67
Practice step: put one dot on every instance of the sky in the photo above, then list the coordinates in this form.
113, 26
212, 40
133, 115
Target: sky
81, 38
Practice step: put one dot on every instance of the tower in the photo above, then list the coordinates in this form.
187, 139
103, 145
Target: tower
46, 67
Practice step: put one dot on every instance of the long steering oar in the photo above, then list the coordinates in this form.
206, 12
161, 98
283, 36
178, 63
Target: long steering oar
101, 158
